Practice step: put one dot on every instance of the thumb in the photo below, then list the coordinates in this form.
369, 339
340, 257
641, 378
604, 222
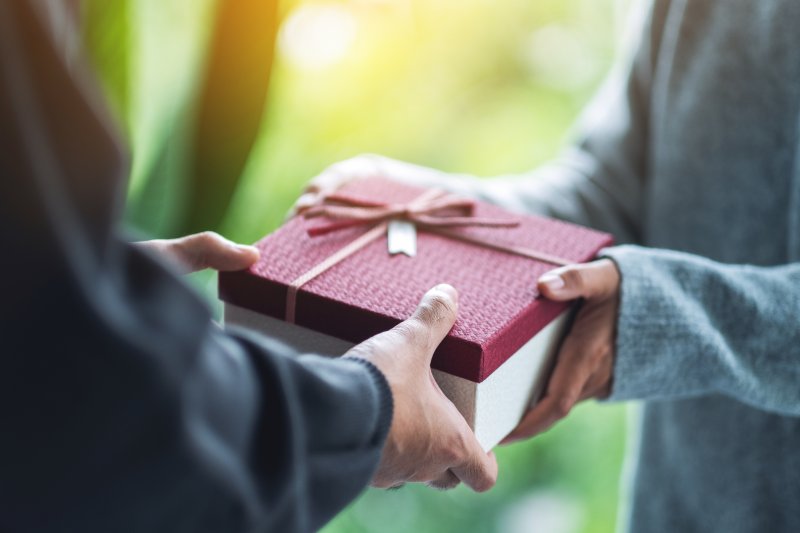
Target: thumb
433, 318
587, 280
479, 470
211, 250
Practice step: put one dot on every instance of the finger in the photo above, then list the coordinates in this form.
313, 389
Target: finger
335, 177
542, 417
307, 200
380, 484
538, 420
211, 250
591, 388
446, 481
324, 184
564, 389
433, 319
479, 469
332, 178
589, 280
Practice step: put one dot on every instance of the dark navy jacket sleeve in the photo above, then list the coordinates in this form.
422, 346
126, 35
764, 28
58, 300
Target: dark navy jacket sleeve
122, 406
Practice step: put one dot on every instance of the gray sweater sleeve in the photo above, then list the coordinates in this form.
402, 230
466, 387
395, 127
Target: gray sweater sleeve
690, 326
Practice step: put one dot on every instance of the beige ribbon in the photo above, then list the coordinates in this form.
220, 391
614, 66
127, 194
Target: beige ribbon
433, 211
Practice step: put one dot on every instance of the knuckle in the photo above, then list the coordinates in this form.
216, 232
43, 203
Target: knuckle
205, 242
464, 440
208, 236
461, 447
574, 277
610, 267
453, 455
435, 308
563, 406
591, 351
454, 452
601, 351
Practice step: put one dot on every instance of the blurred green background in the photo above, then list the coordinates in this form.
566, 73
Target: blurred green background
475, 86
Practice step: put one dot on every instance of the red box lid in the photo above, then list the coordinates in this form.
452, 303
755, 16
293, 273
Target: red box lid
371, 291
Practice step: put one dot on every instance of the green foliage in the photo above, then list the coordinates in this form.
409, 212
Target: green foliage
474, 86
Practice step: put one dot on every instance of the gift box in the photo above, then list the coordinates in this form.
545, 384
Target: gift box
331, 279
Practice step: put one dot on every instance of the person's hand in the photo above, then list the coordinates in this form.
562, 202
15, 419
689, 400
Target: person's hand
335, 176
360, 167
201, 251
429, 441
585, 363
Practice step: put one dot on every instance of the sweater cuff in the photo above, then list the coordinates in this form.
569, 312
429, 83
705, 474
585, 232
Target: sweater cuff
639, 367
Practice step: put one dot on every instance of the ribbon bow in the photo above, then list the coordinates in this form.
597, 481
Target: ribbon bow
433, 209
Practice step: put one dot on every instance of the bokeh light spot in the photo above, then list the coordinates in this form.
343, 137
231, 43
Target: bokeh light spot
317, 36
559, 58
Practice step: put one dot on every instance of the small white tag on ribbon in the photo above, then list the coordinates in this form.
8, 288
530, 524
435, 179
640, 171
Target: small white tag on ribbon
402, 238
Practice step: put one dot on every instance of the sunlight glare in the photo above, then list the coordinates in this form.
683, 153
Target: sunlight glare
317, 36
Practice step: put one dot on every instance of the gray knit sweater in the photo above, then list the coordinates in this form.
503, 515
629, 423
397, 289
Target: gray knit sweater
690, 154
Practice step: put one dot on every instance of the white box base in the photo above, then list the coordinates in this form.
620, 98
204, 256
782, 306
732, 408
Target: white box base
492, 408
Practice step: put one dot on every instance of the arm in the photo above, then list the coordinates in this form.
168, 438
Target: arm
690, 326
123, 407
658, 324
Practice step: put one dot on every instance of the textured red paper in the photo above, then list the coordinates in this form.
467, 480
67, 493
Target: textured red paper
371, 291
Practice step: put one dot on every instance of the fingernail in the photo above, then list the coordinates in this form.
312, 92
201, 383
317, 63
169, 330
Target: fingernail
449, 290
554, 282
